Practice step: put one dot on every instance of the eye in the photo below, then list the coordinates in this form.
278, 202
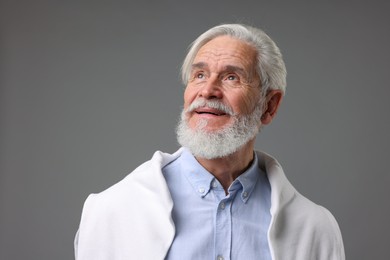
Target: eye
199, 75
232, 77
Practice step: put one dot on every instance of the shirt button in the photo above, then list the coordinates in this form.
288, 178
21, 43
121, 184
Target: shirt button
245, 194
220, 257
214, 184
222, 206
201, 190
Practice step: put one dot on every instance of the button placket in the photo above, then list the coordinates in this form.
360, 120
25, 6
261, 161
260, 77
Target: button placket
223, 230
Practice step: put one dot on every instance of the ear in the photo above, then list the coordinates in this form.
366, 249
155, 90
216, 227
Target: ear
273, 100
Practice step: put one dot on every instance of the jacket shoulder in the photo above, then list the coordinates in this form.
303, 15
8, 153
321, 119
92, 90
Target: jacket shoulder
125, 214
300, 229
310, 229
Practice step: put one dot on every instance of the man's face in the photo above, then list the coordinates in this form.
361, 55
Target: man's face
223, 70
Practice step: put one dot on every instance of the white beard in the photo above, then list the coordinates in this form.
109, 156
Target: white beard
222, 142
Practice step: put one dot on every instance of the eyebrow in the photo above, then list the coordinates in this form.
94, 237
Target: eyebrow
199, 65
202, 65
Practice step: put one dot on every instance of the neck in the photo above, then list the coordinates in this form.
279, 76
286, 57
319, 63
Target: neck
227, 169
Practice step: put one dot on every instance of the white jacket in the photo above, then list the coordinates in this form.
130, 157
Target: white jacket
132, 219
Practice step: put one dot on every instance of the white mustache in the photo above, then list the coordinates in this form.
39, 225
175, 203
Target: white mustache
211, 104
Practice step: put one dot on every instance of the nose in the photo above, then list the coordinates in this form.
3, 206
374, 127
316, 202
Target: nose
211, 89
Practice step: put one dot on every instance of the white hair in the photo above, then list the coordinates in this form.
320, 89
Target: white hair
270, 64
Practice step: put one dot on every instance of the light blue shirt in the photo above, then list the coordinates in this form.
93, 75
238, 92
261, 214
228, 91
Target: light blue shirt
212, 225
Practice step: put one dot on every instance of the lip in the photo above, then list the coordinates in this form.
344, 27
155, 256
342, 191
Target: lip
207, 111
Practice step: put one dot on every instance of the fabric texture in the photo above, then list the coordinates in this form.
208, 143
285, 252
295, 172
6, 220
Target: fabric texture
117, 224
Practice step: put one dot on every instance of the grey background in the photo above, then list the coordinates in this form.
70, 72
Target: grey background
90, 89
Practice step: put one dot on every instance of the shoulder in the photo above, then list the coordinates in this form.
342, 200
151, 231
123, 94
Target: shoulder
317, 225
146, 174
311, 217
305, 230
299, 221
286, 198
145, 183
127, 212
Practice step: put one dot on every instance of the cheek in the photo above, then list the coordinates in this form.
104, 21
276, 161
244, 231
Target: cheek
190, 94
248, 105
187, 97
247, 102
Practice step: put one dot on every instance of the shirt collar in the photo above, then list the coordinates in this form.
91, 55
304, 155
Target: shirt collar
197, 175
202, 180
248, 179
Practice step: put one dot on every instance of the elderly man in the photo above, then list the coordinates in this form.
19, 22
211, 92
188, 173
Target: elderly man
215, 198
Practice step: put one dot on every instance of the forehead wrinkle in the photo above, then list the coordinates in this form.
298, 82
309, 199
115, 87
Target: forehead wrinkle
218, 55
